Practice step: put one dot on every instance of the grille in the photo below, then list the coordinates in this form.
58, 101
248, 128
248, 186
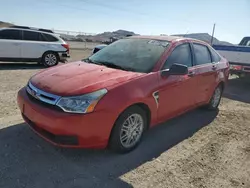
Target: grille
42, 98
46, 105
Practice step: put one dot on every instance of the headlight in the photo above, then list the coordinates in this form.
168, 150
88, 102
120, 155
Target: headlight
81, 104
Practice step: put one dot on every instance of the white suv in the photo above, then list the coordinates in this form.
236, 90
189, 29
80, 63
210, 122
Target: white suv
23, 44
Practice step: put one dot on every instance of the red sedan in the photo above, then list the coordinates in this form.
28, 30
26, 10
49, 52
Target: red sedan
115, 95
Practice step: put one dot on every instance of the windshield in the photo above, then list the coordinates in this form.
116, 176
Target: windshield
138, 55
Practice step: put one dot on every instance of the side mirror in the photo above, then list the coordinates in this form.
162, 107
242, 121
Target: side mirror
175, 69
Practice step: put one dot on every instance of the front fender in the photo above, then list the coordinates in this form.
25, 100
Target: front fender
131, 93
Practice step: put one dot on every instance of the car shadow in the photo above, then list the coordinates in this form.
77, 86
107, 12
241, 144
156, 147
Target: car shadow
20, 66
238, 89
29, 161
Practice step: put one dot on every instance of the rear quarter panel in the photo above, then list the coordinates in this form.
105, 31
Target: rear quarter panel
222, 75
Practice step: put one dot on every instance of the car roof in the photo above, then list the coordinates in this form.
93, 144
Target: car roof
53, 34
32, 28
167, 38
22, 29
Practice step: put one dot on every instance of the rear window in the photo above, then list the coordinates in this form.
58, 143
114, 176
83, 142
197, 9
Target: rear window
10, 34
245, 41
49, 37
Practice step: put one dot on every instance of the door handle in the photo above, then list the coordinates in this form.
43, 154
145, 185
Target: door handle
16, 44
191, 73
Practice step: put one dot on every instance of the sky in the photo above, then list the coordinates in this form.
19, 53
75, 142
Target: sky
146, 17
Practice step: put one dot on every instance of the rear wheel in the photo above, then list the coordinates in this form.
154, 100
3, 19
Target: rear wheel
128, 130
215, 99
50, 59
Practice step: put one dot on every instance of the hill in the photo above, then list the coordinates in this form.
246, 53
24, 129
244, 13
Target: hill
5, 24
105, 36
204, 37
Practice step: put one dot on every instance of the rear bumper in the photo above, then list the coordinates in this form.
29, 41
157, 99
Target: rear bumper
239, 69
63, 56
65, 129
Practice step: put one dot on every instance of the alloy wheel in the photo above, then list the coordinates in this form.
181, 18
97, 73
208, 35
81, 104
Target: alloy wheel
216, 97
131, 130
50, 59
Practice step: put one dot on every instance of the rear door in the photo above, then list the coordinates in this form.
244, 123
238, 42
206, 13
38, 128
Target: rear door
206, 71
10, 43
177, 92
33, 46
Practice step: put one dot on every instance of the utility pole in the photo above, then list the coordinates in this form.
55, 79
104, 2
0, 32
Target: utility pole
212, 35
186, 33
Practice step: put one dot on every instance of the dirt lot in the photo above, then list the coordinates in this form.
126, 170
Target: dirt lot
199, 149
82, 45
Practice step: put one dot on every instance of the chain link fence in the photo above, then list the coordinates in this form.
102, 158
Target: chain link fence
78, 39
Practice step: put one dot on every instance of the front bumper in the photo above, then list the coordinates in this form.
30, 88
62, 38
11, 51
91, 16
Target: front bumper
64, 129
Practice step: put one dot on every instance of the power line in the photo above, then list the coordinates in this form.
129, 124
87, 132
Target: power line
84, 9
112, 7
126, 10
109, 7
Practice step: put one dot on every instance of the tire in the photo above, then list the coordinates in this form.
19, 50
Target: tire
124, 131
215, 99
50, 59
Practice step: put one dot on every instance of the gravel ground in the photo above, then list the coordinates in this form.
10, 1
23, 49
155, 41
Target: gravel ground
199, 149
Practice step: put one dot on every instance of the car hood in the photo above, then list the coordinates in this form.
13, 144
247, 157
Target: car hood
79, 78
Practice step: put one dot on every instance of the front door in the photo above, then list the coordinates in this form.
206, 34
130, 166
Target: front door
10, 44
177, 93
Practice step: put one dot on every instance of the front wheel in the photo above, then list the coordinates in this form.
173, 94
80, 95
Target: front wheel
50, 59
128, 130
215, 99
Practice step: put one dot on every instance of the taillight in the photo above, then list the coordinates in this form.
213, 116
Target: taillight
236, 67
66, 46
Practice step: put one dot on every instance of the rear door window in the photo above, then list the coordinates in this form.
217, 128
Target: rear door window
31, 36
10, 34
202, 55
215, 57
50, 38
181, 55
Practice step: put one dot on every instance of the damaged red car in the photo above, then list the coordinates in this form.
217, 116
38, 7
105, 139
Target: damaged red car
111, 98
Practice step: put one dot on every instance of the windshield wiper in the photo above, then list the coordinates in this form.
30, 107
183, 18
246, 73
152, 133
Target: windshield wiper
87, 60
112, 65
107, 64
